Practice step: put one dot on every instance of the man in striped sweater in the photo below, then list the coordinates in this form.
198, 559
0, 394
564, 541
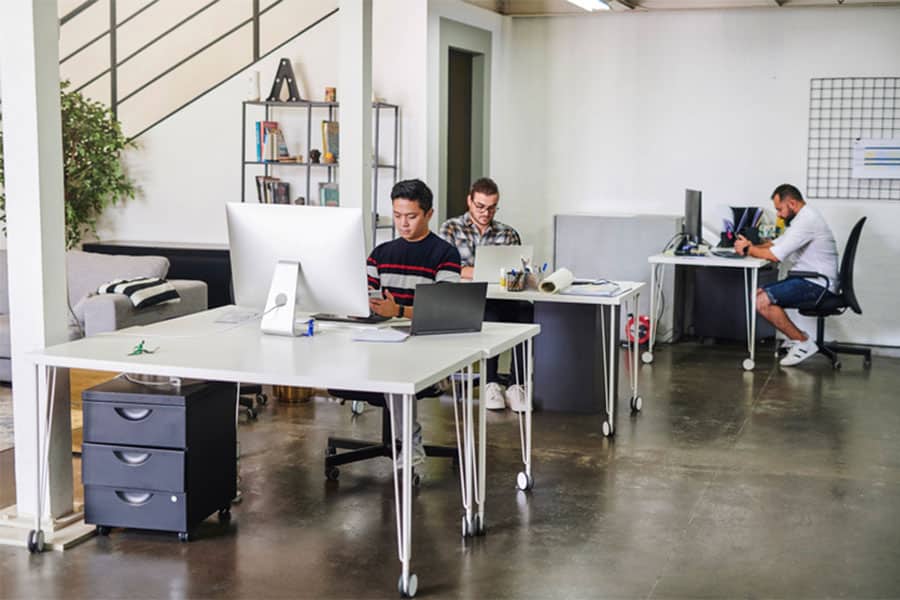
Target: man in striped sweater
395, 268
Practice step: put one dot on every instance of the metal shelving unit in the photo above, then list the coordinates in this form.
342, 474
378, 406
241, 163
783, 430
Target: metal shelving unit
330, 168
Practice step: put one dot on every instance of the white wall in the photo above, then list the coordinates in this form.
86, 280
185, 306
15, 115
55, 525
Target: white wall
622, 112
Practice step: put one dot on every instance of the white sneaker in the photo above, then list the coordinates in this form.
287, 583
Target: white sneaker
516, 399
799, 352
493, 397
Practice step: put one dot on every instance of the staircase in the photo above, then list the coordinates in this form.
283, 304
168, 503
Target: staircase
148, 59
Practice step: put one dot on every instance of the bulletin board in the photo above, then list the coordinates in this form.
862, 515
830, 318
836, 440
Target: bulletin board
842, 111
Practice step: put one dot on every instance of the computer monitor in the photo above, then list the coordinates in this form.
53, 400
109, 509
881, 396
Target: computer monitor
326, 242
693, 216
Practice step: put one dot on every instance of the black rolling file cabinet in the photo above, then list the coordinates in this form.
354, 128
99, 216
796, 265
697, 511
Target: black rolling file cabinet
158, 457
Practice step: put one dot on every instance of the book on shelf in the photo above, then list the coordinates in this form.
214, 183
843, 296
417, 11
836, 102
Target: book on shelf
330, 138
328, 194
270, 135
264, 188
281, 192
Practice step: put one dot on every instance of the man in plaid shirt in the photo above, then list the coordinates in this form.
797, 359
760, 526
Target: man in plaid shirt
477, 227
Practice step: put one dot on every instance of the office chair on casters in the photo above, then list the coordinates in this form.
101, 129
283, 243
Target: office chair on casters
827, 306
357, 450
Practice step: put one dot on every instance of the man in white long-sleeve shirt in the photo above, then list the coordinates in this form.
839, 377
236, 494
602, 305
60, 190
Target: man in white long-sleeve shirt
809, 243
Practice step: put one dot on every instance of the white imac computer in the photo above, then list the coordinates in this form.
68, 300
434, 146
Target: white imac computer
288, 259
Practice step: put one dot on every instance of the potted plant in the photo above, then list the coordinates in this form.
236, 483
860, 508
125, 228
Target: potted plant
92, 141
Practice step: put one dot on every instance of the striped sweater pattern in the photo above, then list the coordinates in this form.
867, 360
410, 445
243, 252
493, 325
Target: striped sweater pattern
399, 266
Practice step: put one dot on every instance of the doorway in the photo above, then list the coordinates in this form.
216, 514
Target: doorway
459, 129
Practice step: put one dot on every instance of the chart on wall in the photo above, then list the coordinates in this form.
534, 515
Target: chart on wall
854, 138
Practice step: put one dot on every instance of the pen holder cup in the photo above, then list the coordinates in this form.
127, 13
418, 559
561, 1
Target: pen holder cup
515, 281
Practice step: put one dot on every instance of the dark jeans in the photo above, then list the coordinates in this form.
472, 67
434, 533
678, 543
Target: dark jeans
508, 311
795, 292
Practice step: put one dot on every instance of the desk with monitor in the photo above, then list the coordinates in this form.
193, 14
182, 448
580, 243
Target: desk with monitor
750, 267
197, 347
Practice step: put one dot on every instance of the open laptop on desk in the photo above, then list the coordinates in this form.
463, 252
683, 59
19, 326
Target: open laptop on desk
489, 260
447, 308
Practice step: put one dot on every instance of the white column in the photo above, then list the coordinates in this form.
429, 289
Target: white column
32, 151
355, 97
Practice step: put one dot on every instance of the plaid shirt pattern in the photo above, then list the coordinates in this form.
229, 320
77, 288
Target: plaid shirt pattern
464, 234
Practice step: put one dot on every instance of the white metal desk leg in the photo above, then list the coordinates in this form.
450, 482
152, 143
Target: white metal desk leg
469, 433
609, 426
403, 501
750, 309
482, 451
648, 355
636, 401
525, 480
43, 428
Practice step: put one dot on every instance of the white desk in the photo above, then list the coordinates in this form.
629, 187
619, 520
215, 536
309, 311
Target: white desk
630, 290
196, 347
751, 268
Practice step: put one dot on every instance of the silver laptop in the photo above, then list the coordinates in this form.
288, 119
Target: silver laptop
447, 308
490, 259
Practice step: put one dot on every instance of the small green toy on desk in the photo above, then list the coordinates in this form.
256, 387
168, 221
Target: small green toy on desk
139, 349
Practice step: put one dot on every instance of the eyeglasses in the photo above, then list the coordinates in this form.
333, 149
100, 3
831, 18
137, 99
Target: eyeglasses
485, 208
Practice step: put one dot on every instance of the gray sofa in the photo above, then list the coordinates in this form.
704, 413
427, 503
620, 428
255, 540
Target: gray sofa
85, 272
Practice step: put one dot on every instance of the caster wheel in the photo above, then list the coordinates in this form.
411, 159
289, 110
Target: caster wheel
411, 587
524, 482
647, 357
478, 526
224, 515
251, 414
416, 479
184, 537
867, 364
332, 473
606, 428
748, 364
357, 407
262, 399
636, 404
103, 530
466, 529
35, 541
330, 451
836, 365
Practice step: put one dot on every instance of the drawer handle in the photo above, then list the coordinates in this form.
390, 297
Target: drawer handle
132, 458
134, 414
134, 498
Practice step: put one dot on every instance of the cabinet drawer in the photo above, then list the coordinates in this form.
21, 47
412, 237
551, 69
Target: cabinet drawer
142, 509
133, 467
134, 424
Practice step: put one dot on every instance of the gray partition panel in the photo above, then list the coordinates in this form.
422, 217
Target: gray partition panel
617, 247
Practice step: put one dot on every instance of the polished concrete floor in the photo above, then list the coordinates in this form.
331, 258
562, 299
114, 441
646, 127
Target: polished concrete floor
781, 483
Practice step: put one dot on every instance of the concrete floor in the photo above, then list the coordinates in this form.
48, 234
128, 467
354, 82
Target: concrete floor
781, 483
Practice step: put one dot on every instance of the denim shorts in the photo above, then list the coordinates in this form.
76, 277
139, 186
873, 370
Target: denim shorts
794, 292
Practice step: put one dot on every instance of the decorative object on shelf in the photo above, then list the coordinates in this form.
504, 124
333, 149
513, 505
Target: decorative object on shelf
329, 158
328, 194
331, 138
314, 156
300, 200
330, 94
284, 75
252, 86
93, 176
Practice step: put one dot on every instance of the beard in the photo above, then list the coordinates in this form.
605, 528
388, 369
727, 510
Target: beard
790, 217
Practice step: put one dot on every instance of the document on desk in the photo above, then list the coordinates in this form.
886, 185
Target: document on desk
607, 289
384, 334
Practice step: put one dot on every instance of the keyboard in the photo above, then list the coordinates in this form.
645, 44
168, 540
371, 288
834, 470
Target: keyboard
725, 253
372, 319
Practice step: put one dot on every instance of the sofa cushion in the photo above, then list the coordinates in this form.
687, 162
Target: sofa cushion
5, 346
87, 271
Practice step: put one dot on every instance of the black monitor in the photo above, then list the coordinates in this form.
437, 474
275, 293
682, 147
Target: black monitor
693, 216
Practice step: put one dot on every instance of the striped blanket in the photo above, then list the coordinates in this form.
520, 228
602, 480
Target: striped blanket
143, 292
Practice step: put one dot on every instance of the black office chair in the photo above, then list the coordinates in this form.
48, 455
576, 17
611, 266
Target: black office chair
358, 450
828, 305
